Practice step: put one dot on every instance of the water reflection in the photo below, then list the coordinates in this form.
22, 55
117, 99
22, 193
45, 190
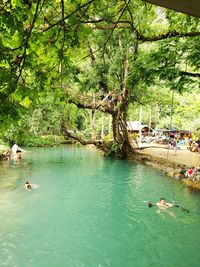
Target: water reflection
92, 211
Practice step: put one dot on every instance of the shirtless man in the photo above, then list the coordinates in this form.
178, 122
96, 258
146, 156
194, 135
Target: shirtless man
164, 204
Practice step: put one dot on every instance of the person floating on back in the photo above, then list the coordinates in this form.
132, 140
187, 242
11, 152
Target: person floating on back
162, 203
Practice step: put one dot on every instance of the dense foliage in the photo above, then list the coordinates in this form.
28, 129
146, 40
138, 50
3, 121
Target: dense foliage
54, 52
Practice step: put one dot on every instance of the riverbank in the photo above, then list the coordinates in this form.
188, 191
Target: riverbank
169, 162
3, 148
166, 160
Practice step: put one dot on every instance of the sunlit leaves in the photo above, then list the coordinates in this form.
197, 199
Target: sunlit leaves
86, 50
26, 102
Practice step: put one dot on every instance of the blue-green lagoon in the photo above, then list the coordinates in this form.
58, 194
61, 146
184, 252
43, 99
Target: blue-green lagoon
90, 211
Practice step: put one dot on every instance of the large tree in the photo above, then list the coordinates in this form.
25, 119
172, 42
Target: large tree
82, 47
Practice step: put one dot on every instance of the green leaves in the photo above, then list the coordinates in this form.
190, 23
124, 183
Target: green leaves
42, 55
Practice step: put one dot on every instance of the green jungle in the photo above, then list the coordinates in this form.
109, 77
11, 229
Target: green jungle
60, 61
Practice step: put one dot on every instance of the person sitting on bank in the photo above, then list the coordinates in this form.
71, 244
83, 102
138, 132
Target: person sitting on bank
182, 173
28, 185
7, 155
190, 172
163, 203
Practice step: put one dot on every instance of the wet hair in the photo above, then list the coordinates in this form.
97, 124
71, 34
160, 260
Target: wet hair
162, 198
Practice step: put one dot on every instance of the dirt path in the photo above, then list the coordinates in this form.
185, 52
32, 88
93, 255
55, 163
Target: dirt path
167, 160
181, 157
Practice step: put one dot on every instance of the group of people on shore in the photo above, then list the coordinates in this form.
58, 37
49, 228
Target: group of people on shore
15, 153
189, 173
194, 146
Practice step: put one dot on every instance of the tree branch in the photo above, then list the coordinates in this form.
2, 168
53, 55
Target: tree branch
66, 17
89, 105
191, 74
112, 30
23, 59
129, 25
80, 138
173, 34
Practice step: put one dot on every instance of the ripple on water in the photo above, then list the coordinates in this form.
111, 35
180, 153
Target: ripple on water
92, 211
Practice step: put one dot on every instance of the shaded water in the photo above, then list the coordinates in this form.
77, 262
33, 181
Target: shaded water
91, 211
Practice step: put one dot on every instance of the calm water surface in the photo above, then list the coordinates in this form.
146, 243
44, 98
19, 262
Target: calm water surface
91, 211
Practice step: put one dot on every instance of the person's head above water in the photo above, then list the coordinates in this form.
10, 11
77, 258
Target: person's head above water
162, 201
28, 185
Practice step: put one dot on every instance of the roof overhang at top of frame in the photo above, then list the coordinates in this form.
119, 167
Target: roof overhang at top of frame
189, 7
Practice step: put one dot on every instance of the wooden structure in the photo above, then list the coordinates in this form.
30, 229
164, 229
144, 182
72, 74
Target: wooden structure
135, 127
189, 7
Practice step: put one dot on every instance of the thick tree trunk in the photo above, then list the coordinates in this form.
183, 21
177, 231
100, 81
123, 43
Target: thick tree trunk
102, 125
93, 124
116, 127
120, 131
118, 113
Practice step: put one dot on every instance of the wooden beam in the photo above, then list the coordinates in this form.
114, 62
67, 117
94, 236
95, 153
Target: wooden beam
189, 7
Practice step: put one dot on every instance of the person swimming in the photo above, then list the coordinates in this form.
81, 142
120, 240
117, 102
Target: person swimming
162, 203
28, 185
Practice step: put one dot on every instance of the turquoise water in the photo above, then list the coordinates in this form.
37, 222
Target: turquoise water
91, 211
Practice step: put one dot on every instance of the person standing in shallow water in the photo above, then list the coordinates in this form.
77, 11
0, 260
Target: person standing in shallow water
15, 148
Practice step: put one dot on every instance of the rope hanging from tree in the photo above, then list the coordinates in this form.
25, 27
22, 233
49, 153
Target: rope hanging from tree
170, 128
171, 189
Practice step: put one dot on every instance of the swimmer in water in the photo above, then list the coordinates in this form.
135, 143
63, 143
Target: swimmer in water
28, 185
164, 204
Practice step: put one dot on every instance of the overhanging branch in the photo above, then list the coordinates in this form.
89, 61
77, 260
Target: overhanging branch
191, 74
125, 24
86, 105
173, 34
68, 16
80, 138
23, 59
112, 30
